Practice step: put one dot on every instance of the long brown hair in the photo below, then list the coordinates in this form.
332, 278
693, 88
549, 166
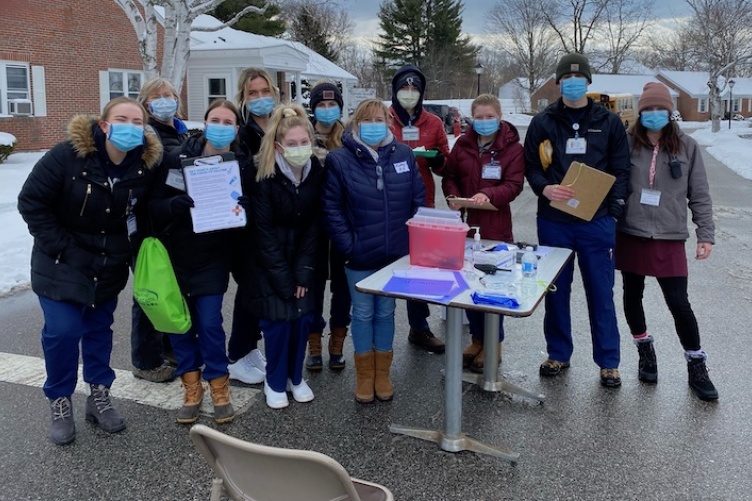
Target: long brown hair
669, 137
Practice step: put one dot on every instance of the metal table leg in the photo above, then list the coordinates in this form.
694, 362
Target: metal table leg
452, 439
490, 380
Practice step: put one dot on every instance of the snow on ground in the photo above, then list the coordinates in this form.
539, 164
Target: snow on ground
728, 146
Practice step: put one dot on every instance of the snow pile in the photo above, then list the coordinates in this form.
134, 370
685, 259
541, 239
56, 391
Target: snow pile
731, 147
7, 139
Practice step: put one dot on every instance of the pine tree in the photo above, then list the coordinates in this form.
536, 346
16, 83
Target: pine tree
428, 34
269, 23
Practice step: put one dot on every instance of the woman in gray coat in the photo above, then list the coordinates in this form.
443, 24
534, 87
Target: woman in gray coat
667, 177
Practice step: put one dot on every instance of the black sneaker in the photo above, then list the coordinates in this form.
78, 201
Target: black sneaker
62, 427
648, 366
699, 380
426, 340
552, 368
99, 410
610, 378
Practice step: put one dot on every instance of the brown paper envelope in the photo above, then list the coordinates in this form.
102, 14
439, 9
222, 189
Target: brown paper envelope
468, 203
590, 189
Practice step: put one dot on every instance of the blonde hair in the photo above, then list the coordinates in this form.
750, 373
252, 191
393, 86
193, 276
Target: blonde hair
486, 100
246, 76
283, 119
121, 100
367, 109
154, 85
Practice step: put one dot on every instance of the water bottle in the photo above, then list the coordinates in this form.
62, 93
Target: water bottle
529, 264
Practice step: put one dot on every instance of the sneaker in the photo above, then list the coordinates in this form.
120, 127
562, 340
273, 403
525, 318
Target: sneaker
99, 410
275, 399
300, 392
258, 360
62, 427
162, 374
245, 371
699, 380
551, 368
647, 371
610, 378
426, 340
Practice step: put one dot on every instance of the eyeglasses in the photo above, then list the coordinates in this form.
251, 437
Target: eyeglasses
379, 178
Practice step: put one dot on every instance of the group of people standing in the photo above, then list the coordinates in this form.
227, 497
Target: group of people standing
327, 200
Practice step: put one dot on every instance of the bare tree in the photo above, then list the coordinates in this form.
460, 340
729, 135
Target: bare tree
623, 24
574, 21
322, 25
178, 18
358, 60
668, 49
520, 30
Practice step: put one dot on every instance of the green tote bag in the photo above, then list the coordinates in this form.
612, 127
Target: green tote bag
156, 289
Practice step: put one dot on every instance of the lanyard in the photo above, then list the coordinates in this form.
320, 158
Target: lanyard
652, 165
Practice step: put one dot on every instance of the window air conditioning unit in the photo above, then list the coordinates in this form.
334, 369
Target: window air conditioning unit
19, 106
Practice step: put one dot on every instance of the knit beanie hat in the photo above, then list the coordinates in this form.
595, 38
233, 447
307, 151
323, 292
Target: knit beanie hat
573, 63
655, 94
325, 91
409, 78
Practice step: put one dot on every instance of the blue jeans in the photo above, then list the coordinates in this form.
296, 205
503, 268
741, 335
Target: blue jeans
285, 344
478, 324
372, 316
204, 343
65, 326
593, 244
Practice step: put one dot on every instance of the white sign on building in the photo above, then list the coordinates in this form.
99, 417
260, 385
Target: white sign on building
359, 94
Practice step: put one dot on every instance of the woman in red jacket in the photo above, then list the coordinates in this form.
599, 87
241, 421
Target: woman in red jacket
487, 165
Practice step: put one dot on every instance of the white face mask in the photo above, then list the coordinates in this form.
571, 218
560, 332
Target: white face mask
297, 156
408, 98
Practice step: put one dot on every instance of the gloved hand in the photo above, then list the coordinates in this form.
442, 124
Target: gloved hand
616, 208
180, 204
244, 201
436, 162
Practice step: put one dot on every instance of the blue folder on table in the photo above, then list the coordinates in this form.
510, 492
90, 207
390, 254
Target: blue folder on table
441, 291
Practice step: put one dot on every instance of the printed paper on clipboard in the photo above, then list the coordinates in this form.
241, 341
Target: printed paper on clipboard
590, 189
214, 185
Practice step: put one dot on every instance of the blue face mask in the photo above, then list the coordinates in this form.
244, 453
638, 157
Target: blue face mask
372, 133
220, 136
654, 120
573, 88
327, 116
126, 136
163, 108
485, 126
262, 106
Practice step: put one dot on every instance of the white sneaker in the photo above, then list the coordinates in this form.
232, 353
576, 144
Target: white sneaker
258, 360
300, 392
245, 371
275, 399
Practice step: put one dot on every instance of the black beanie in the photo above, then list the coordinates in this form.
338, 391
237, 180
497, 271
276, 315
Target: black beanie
409, 78
573, 63
325, 92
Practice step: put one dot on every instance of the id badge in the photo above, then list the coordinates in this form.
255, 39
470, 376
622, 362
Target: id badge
175, 179
576, 146
410, 133
401, 167
491, 171
650, 197
131, 223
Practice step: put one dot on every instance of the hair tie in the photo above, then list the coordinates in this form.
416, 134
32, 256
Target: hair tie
289, 112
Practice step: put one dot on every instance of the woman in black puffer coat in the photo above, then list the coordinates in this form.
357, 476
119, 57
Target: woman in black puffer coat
82, 202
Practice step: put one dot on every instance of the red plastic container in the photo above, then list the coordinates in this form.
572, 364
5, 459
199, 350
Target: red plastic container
437, 244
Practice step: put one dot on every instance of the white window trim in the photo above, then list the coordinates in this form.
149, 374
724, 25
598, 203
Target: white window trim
218, 76
700, 102
104, 83
4, 111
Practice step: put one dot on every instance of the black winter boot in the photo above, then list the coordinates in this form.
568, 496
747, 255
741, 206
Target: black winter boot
99, 410
699, 380
62, 427
648, 366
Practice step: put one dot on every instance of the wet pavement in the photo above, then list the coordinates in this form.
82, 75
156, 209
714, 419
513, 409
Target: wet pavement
655, 442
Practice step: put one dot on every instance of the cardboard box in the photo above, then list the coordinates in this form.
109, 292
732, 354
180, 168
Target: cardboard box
591, 186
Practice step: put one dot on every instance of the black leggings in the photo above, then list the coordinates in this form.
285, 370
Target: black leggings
675, 292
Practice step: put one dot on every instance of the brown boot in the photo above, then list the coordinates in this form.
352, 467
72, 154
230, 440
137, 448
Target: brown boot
471, 351
336, 342
383, 384
478, 362
192, 397
364, 377
314, 362
220, 393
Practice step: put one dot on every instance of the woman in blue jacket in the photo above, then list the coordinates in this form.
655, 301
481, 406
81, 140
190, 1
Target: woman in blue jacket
372, 188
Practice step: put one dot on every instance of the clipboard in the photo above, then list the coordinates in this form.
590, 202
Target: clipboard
469, 203
590, 189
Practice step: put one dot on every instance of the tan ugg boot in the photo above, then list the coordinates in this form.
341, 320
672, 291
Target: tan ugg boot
314, 362
471, 351
383, 384
478, 362
364, 377
220, 393
336, 342
192, 397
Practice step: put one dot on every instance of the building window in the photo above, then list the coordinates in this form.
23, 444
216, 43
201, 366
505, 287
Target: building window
125, 83
15, 84
702, 105
217, 89
736, 105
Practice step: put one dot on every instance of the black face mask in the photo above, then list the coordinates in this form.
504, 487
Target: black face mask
675, 166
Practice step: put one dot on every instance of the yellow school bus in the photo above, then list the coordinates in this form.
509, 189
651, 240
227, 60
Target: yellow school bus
621, 104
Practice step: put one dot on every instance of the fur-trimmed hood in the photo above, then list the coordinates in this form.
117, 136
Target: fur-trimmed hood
80, 133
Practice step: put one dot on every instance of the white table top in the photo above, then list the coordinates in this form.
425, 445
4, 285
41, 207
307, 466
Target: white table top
549, 267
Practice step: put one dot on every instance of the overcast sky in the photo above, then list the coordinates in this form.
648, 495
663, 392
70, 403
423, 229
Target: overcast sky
365, 14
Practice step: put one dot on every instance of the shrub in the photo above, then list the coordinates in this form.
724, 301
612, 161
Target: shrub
7, 143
